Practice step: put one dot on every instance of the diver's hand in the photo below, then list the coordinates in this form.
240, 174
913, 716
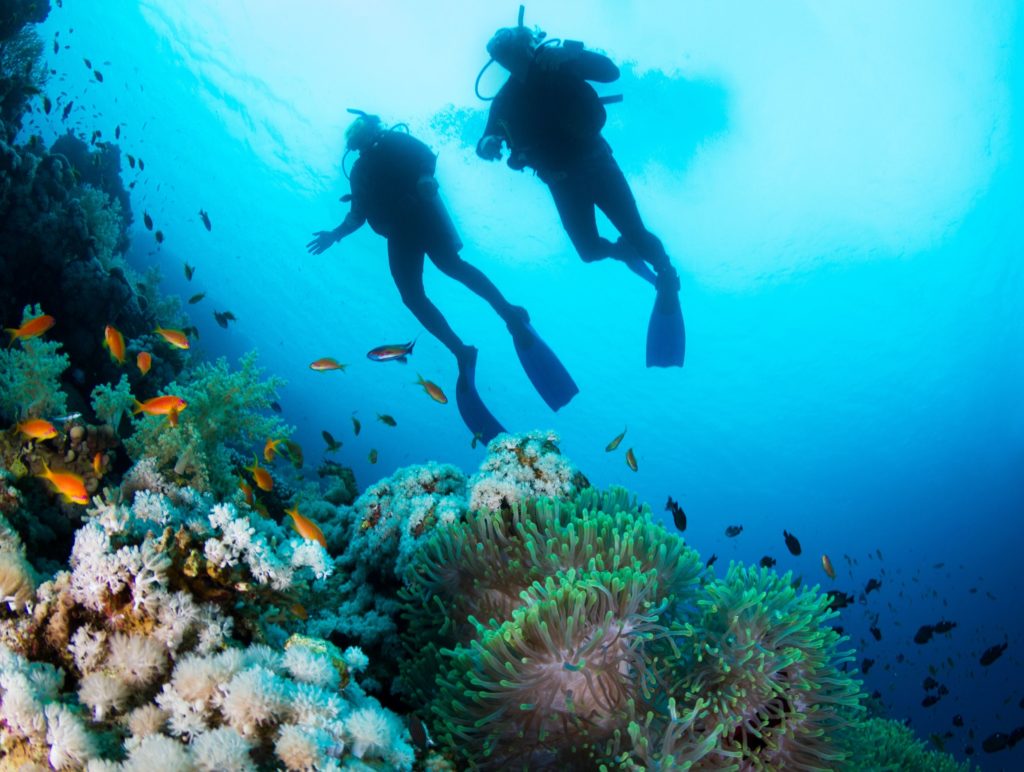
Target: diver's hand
322, 241
489, 148
426, 187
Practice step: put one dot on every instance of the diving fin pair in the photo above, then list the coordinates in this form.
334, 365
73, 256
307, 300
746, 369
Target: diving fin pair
544, 369
666, 333
478, 419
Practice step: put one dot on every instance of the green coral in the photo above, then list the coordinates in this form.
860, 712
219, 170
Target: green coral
226, 420
30, 376
104, 220
884, 745
111, 403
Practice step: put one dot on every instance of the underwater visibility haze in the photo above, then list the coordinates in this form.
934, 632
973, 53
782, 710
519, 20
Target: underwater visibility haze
259, 510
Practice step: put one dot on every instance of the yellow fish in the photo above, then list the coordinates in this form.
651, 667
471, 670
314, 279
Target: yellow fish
326, 363
307, 528
631, 460
432, 389
37, 429
614, 443
270, 449
176, 338
161, 405
68, 485
261, 476
32, 328
827, 565
114, 342
144, 360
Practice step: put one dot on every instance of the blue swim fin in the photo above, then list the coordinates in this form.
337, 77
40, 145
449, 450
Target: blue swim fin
545, 370
474, 412
666, 334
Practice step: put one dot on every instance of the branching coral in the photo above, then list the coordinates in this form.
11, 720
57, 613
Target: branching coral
879, 743
225, 420
30, 377
104, 222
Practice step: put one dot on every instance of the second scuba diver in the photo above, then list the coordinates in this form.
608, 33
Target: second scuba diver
393, 187
551, 119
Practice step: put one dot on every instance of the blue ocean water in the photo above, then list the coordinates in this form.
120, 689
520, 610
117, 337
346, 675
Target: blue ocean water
839, 187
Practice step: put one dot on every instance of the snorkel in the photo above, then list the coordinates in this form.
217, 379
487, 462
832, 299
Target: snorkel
537, 36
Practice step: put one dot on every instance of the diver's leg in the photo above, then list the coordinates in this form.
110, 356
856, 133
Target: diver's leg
575, 206
451, 264
406, 264
616, 200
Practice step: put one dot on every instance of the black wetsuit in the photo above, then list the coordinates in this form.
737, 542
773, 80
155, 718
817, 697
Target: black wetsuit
386, 192
552, 121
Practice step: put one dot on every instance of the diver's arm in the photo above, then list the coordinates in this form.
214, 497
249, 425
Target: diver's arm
323, 240
488, 146
593, 66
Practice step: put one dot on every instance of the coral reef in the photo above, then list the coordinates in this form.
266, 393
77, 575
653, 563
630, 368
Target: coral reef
30, 376
880, 743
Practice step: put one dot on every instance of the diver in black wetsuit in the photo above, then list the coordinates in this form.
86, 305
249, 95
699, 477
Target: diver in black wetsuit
551, 119
394, 189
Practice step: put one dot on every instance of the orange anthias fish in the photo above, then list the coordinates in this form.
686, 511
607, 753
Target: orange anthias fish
614, 443
37, 429
432, 389
144, 360
114, 342
246, 491
631, 460
160, 405
32, 328
261, 476
270, 449
68, 485
176, 338
827, 565
325, 364
393, 352
97, 464
307, 528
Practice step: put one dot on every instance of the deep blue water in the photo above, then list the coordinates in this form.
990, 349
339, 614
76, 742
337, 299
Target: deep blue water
840, 189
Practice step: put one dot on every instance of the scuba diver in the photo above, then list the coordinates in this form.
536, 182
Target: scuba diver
550, 118
393, 187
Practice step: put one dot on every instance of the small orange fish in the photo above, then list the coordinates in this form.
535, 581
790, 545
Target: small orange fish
160, 405
32, 328
246, 490
631, 460
144, 361
327, 363
432, 389
261, 476
97, 464
614, 443
114, 342
827, 565
307, 528
172, 417
270, 449
68, 485
176, 338
37, 429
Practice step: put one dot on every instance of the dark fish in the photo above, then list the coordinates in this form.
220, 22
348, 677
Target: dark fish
189, 270
924, 634
876, 633
372, 457
117, 132
147, 220
418, 733
67, 110
56, 47
159, 235
142, 168
47, 104
944, 626
332, 444
873, 584
678, 515
958, 720
792, 543
930, 700
192, 332
866, 665
615, 442
196, 298
387, 420
87, 63
293, 452
711, 561
276, 407
98, 75
997, 741
943, 690
356, 426
767, 561
223, 318
733, 530
929, 683
992, 653
477, 437
838, 599
206, 219
1016, 736
131, 160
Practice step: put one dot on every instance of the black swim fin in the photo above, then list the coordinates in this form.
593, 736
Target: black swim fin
474, 412
545, 370
666, 333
